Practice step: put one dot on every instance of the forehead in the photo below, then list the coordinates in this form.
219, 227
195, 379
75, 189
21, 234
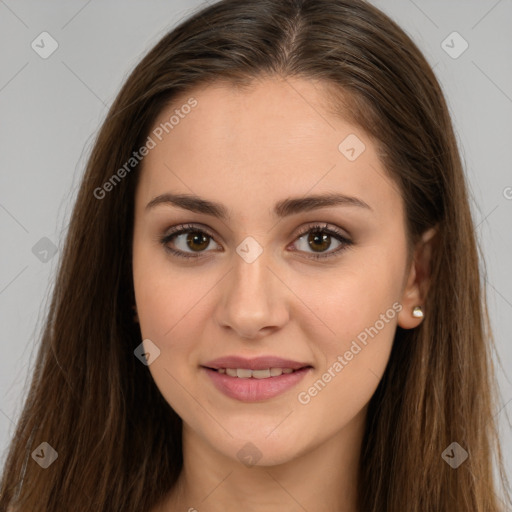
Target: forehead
227, 116
273, 139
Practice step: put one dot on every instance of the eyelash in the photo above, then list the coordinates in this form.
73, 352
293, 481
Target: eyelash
317, 228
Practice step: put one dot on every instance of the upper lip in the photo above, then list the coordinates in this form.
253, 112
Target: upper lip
257, 363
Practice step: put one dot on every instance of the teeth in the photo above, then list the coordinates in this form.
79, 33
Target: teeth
261, 374
244, 373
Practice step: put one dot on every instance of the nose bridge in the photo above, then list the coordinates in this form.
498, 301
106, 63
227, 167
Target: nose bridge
253, 297
251, 278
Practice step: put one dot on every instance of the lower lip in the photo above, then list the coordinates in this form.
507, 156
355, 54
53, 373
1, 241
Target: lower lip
255, 390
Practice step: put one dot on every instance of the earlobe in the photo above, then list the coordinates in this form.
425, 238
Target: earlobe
409, 318
417, 312
415, 291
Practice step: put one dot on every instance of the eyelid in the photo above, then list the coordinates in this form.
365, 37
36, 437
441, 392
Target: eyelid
322, 227
333, 231
183, 229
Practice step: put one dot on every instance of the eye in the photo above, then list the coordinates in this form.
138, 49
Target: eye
189, 237
319, 239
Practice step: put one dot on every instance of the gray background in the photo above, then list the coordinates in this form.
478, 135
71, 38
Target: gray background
51, 109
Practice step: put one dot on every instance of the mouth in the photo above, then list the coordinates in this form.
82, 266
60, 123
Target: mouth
246, 373
246, 385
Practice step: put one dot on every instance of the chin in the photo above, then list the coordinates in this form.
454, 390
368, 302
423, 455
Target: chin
257, 450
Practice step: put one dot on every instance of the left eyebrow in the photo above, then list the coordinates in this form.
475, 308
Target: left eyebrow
284, 208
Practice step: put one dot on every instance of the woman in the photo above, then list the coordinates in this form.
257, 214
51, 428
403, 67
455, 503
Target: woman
269, 297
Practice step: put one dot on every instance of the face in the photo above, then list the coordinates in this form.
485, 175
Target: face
318, 284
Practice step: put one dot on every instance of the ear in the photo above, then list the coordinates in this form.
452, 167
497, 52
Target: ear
418, 280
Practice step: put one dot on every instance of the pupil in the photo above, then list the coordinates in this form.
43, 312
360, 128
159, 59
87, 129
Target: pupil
197, 237
318, 238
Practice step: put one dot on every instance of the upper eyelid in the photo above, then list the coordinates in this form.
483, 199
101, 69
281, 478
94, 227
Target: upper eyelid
318, 225
323, 226
334, 231
184, 228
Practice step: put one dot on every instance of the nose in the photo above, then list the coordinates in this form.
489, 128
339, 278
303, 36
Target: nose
254, 300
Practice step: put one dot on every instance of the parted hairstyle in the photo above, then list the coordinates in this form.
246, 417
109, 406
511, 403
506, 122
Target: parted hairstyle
118, 441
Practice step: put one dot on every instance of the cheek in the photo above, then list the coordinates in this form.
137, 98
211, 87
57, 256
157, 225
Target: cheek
361, 311
166, 295
169, 307
363, 314
358, 296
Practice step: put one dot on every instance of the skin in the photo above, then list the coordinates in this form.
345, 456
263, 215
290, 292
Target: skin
248, 150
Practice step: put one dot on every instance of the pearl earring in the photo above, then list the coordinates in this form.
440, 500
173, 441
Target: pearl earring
417, 312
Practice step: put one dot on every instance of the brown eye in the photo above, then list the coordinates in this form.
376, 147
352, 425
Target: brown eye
319, 239
187, 241
198, 239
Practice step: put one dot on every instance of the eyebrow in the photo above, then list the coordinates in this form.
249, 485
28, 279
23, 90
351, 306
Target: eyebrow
284, 208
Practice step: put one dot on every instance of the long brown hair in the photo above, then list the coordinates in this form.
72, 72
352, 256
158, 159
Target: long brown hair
118, 441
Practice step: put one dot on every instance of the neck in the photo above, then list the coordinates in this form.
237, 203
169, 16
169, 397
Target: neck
322, 477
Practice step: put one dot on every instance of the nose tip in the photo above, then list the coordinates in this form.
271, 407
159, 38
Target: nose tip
252, 304
256, 333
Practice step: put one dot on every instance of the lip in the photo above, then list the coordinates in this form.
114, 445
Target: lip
255, 390
251, 389
257, 363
